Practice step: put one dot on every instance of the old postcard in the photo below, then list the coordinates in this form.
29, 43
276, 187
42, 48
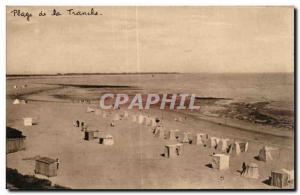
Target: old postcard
161, 97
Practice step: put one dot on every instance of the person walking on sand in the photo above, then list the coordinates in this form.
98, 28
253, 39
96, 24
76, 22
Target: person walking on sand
57, 163
243, 167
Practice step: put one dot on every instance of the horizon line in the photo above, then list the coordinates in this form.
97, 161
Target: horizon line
130, 73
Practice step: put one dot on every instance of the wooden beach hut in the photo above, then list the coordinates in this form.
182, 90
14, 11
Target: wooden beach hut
107, 140
46, 166
251, 171
279, 178
220, 161
173, 150
15, 141
89, 135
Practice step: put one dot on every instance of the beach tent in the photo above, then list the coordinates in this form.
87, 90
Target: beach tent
171, 135
213, 142
16, 101
238, 147
125, 114
89, 109
145, 120
222, 145
244, 146
89, 135
140, 119
220, 161
204, 138
290, 173
15, 141
160, 133
179, 119
179, 148
197, 139
23, 102
153, 122
96, 133
107, 140
173, 150
148, 121
46, 166
279, 178
156, 129
185, 138
251, 171
234, 148
268, 153
28, 121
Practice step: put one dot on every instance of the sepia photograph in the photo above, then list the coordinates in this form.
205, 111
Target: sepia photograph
150, 98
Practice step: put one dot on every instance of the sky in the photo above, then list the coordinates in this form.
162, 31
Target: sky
151, 39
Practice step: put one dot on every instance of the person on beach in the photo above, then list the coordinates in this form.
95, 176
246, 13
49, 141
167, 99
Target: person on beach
57, 163
243, 167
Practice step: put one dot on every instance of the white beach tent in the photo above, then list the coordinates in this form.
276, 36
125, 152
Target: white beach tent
125, 114
198, 138
16, 101
28, 121
173, 150
160, 133
213, 142
140, 119
267, 153
185, 138
222, 145
234, 148
89, 109
244, 146
220, 161
148, 120
153, 122
171, 135
290, 174
107, 140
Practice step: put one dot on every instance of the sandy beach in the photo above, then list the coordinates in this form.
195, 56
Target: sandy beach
135, 161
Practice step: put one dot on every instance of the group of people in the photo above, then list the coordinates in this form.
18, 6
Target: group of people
82, 124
